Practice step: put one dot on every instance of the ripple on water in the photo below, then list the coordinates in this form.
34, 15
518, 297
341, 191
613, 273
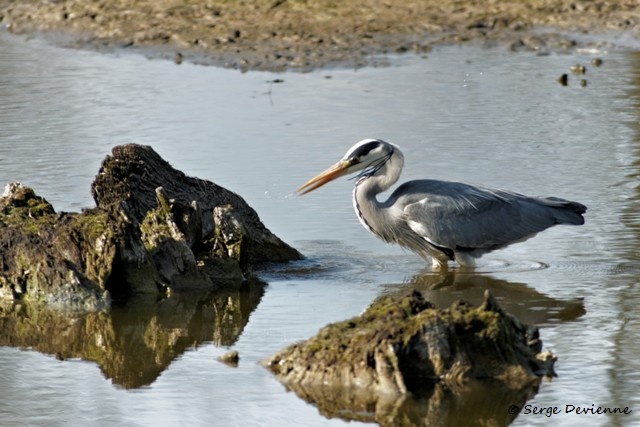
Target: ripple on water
590, 268
334, 259
500, 265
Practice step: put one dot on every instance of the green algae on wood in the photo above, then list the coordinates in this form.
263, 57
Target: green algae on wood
41, 258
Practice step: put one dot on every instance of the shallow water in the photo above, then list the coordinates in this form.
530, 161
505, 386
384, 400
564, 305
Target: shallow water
483, 116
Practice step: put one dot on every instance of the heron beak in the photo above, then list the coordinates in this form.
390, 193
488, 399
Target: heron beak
335, 171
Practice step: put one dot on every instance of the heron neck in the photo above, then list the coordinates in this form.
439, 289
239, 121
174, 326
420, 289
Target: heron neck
370, 211
385, 177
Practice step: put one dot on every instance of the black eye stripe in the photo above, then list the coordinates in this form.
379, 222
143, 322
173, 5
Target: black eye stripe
365, 149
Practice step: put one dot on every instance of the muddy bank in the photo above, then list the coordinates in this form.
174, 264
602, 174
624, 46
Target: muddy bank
284, 34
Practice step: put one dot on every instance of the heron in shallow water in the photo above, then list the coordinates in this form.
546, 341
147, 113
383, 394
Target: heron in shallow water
440, 220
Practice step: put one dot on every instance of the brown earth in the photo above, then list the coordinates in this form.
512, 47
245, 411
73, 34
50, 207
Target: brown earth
305, 34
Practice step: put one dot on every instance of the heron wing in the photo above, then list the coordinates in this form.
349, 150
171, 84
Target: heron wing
465, 217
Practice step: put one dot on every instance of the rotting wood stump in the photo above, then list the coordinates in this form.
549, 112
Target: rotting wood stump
154, 230
399, 344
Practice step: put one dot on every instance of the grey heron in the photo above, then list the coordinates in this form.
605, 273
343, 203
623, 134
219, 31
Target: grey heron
440, 220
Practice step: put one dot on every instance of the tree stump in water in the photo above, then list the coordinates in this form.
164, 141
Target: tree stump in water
154, 230
399, 344
133, 173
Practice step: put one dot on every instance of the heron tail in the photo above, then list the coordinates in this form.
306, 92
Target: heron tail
565, 211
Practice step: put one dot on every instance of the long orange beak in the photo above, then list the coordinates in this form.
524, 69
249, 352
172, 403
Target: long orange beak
335, 171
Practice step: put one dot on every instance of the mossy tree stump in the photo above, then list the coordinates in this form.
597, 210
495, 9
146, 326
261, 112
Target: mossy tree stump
154, 230
399, 344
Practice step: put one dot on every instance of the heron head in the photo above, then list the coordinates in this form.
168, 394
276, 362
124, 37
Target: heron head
366, 157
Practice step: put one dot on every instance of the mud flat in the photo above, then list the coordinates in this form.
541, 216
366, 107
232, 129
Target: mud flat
293, 34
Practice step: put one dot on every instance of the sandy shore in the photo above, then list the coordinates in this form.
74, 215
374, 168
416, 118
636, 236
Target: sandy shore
296, 34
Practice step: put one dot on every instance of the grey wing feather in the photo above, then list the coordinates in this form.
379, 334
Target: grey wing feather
471, 218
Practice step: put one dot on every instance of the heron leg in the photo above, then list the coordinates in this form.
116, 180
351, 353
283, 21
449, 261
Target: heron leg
465, 260
438, 264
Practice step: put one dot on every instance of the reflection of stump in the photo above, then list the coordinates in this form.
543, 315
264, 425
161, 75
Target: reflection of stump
399, 344
476, 403
135, 341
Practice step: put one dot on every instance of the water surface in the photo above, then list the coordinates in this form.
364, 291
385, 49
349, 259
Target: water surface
482, 116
